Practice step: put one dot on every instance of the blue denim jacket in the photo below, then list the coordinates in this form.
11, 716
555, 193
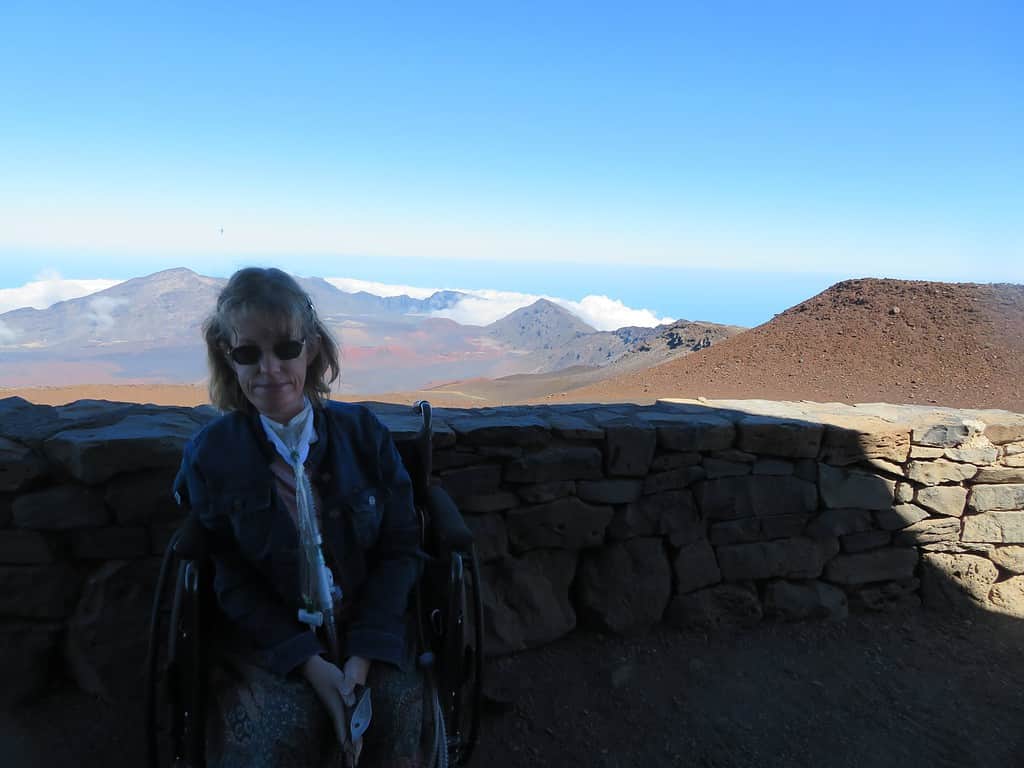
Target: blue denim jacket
369, 525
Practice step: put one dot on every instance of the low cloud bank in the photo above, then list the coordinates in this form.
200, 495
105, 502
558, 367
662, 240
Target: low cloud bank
351, 285
484, 306
46, 290
7, 336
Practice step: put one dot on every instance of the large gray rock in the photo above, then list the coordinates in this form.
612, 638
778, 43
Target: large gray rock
875, 565
748, 529
1008, 597
900, 516
666, 462
501, 429
755, 495
948, 433
715, 468
472, 481
19, 465
624, 586
722, 607
773, 467
1000, 475
488, 502
995, 528
143, 497
696, 433
544, 492
573, 427
489, 536
940, 471
556, 463
562, 524
956, 582
673, 479
946, 500
1010, 559
977, 450
617, 491
28, 651
839, 522
861, 440
798, 600
671, 514
904, 493
864, 540
848, 488
25, 422
797, 558
767, 435
929, 531
60, 508
103, 647
629, 449
988, 498
695, 567
28, 548
526, 601
38, 591
136, 442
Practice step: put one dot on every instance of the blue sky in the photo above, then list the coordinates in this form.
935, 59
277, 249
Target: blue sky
720, 162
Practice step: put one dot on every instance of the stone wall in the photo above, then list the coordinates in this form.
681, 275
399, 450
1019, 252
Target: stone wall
699, 514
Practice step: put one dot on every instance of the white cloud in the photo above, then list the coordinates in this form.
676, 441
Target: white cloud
351, 285
484, 306
101, 311
47, 289
607, 314
7, 336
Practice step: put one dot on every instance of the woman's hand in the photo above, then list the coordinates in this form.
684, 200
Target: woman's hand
356, 669
330, 685
335, 687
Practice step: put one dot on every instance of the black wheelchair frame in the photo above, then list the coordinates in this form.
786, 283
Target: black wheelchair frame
447, 602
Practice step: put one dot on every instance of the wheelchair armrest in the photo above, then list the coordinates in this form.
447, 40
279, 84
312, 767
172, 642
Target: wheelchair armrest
192, 542
448, 529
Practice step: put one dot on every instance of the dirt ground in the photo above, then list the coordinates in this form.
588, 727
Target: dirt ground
915, 689
860, 341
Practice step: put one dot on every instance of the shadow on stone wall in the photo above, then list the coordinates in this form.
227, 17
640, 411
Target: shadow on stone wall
701, 515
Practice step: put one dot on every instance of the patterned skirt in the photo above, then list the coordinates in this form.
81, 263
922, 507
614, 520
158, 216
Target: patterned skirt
257, 719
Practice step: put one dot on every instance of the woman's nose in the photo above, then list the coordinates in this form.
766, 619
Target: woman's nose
269, 362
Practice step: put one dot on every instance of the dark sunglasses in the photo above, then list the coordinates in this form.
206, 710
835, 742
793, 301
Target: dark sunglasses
250, 354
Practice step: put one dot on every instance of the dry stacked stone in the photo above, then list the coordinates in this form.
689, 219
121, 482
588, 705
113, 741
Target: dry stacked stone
704, 514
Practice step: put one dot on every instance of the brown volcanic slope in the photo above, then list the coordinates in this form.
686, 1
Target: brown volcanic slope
869, 340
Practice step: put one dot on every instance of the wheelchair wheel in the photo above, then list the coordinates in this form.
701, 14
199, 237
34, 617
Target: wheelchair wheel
461, 659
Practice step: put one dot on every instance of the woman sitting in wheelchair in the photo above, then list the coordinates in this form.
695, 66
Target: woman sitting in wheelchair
316, 546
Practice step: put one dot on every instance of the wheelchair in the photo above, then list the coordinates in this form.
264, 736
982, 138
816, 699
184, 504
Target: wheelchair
447, 602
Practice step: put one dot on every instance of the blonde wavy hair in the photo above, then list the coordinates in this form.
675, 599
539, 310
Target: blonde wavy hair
277, 297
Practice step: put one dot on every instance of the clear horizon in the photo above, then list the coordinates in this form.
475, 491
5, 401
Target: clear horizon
719, 165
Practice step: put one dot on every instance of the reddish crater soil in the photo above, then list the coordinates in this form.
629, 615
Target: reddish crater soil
956, 344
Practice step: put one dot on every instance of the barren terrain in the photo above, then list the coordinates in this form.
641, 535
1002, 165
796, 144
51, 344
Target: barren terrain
955, 344
897, 341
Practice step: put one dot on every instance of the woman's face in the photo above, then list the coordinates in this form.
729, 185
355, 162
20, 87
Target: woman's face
274, 386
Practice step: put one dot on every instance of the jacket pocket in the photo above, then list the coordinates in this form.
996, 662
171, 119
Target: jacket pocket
365, 507
250, 514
